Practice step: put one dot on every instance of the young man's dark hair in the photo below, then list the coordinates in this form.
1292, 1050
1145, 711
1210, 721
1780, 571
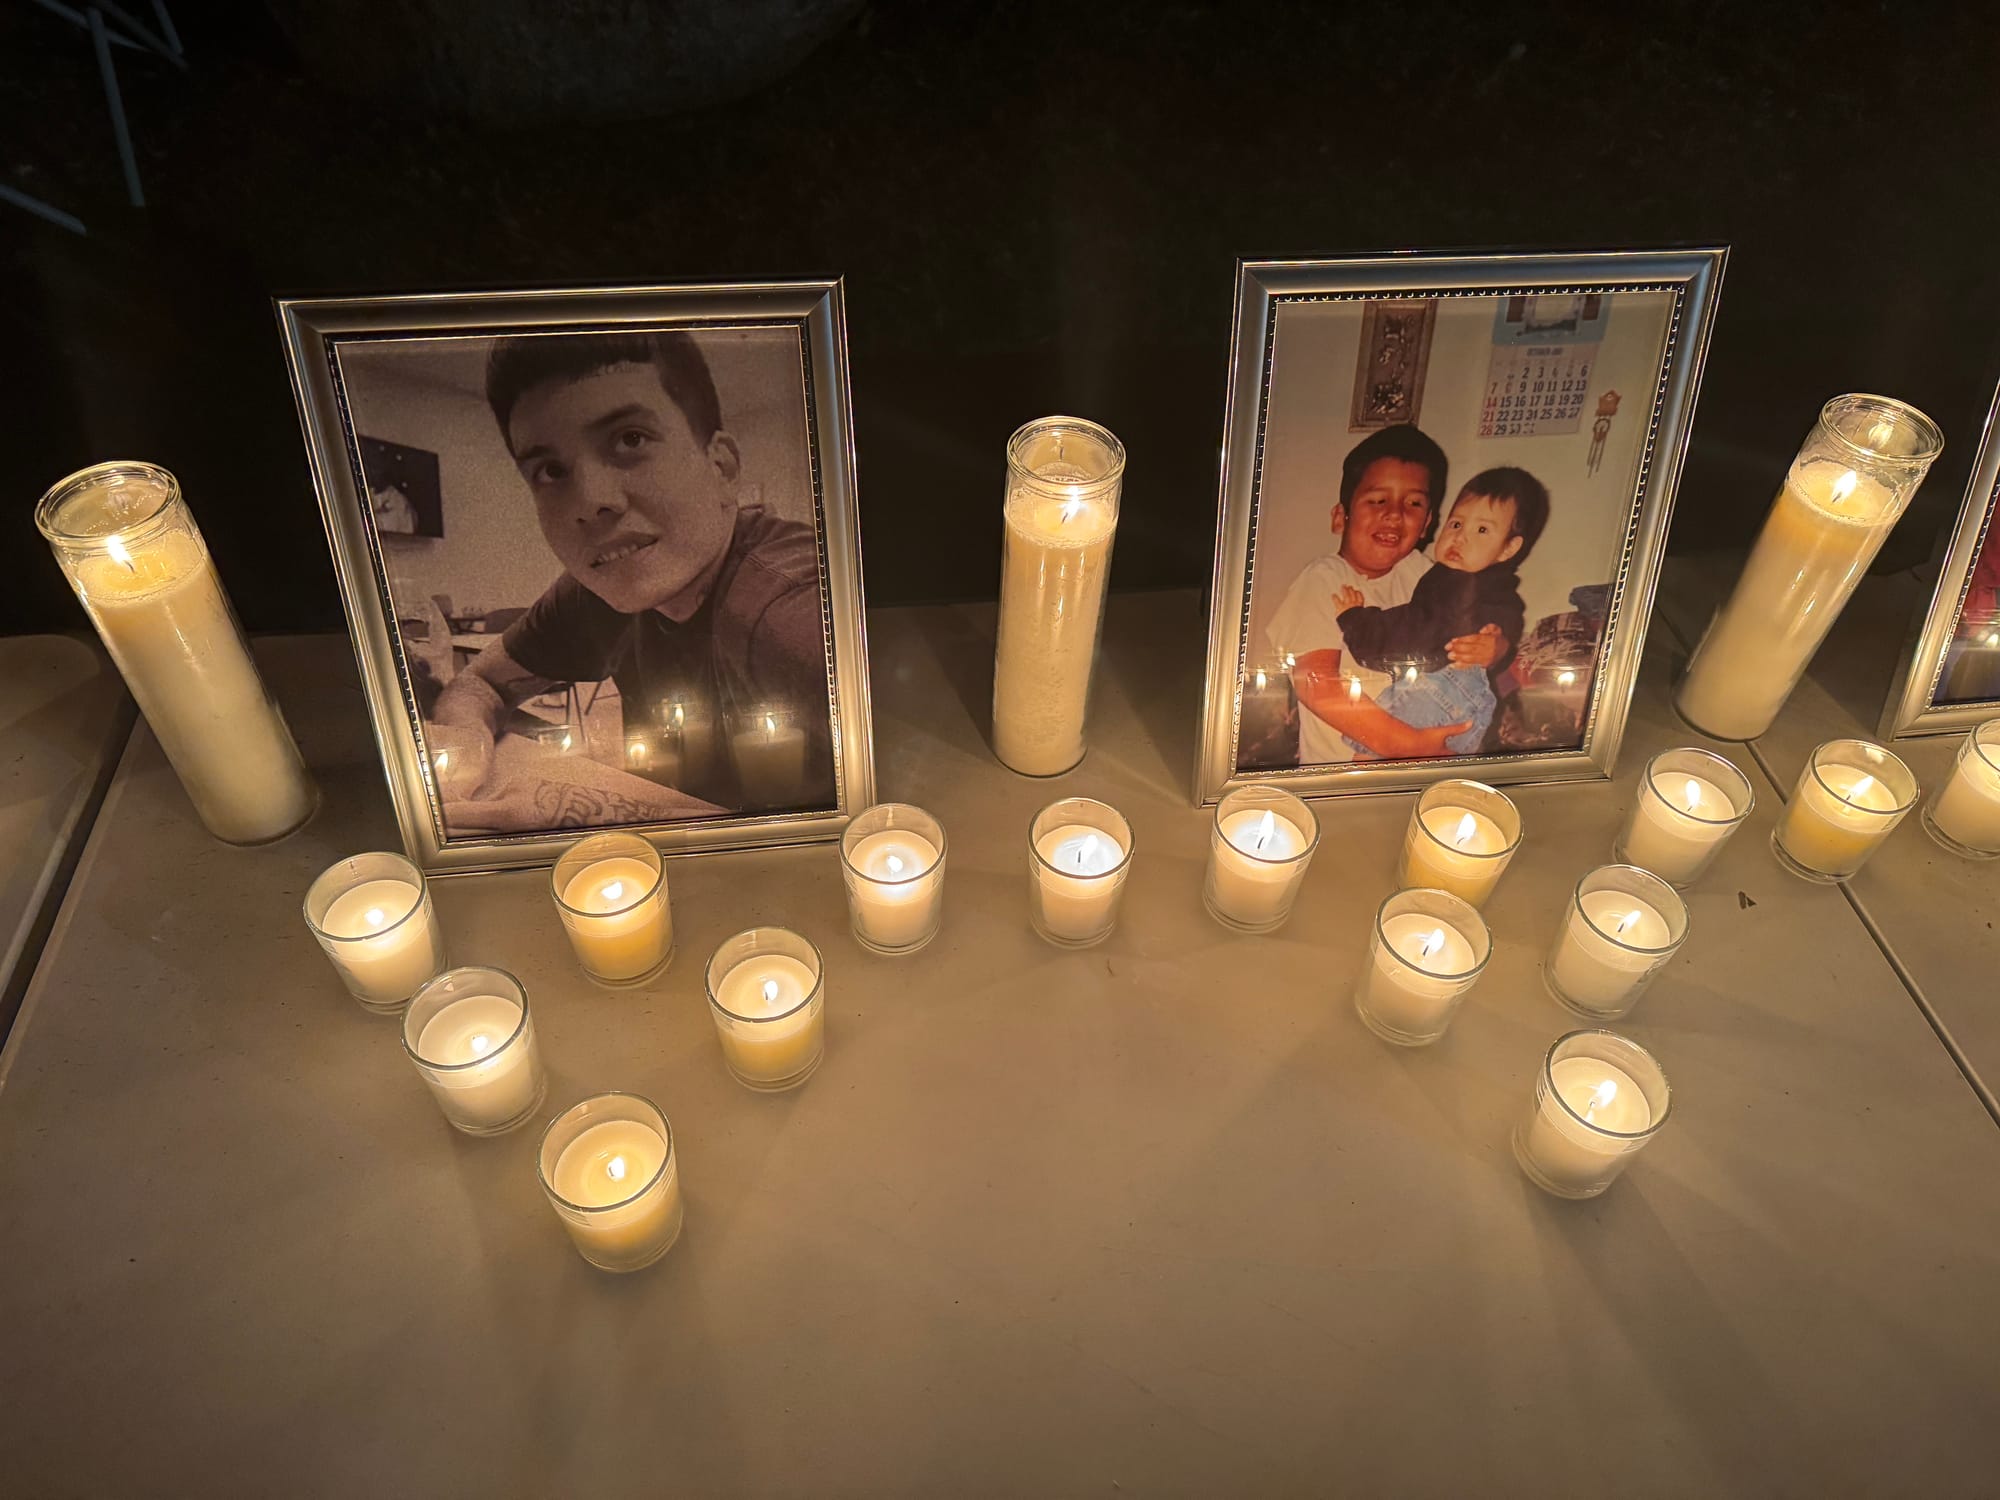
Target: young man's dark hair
520, 363
1402, 442
1531, 503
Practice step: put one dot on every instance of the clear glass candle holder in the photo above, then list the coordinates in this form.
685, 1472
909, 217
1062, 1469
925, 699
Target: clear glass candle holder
1064, 476
1964, 818
1428, 950
124, 537
1079, 853
1599, 1099
608, 1168
1852, 479
768, 1001
1259, 848
1687, 805
1461, 838
1849, 799
611, 891
1621, 926
892, 858
473, 1042
372, 914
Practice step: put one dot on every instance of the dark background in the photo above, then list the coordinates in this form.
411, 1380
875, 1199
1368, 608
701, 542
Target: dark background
1037, 207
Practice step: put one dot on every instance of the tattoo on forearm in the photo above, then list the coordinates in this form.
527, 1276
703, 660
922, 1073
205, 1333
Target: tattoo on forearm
563, 806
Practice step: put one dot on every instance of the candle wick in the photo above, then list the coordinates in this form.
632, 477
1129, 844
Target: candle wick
1085, 850
1693, 796
1627, 920
615, 1169
1466, 828
770, 991
1862, 788
1433, 940
1070, 507
1266, 829
1601, 1097
1844, 486
116, 547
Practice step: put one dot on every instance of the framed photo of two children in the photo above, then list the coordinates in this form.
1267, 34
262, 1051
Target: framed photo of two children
1445, 494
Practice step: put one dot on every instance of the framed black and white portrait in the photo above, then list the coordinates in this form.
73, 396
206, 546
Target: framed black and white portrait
1445, 494
600, 560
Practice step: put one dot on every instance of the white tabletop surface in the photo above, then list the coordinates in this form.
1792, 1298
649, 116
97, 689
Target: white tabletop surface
1157, 1217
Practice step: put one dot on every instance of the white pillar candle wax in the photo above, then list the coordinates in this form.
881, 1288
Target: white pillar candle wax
1061, 517
469, 1033
1259, 849
1598, 1099
892, 856
1429, 948
1461, 837
768, 1002
1965, 817
1079, 852
1687, 804
1849, 799
131, 550
611, 892
1846, 489
770, 755
609, 1170
1621, 925
372, 914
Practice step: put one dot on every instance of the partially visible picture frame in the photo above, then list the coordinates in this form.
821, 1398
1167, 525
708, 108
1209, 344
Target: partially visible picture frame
1949, 676
640, 607
1463, 590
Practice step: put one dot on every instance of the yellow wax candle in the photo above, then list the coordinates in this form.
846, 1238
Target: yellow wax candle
1849, 799
611, 892
768, 1002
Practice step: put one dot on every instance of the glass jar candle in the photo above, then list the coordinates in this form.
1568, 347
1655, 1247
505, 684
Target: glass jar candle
609, 1171
1619, 929
1259, 848
1063, 481
130, 548
1079, 853
1461, 838
470, 1035
1428, 950
768, 1002
892, 858
1965, 817
1849, 799
1852, 478
1599, 1099
372, 914
611, 891
1687, 805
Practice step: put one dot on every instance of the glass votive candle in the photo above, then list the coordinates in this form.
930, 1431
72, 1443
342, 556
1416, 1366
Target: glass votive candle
1461, 837
1850, 797
1688, 804
766, 995
892, 856
1965, 817
609, 1170
469, 1033
1598, 1100
1620, 928
611, 889
769, 752
1079, 852
1259, 848
1429, 949
372, 914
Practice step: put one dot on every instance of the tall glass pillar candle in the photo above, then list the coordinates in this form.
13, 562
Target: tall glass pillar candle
1850, 797
768, 1002
892, 857
1688, 804
129, 546
1621, 926
1428, 950
1462, 835
1259, 848
1063, 481
1965, 817
372, 914
469, 1033
611, 890
1598, 1100
1079, 853
1851, 480
609, 1170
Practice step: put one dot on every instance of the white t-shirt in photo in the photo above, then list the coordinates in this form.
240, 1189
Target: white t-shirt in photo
1309, 620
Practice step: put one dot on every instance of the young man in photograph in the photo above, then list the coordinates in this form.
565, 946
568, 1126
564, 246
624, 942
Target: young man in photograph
705, 612
1391, 484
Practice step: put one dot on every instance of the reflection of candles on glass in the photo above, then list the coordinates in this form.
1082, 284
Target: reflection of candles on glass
770, 756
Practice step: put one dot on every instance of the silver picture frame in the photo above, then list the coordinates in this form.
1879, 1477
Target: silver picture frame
316, 329
1691, 276
1913, 707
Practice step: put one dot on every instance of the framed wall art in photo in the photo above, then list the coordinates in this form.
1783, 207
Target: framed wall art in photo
1950, 675
1446, 483
599, 555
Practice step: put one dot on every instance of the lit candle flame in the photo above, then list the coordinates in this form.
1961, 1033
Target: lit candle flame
1086, 851
636, 750
1353, 687
1861, 789
1624, 922
481, 1045
1565, 678
1433, 940
1844, 486
615, 1169
1267, 826
1693, 790
373, 916
1070, 507
680, 715
1409, 674
1467, 826
1262, 681
1601, 1097
565, 739
895, 863
770, 992
116, 547
443, 759
614, 890
1290, 661
770, 724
